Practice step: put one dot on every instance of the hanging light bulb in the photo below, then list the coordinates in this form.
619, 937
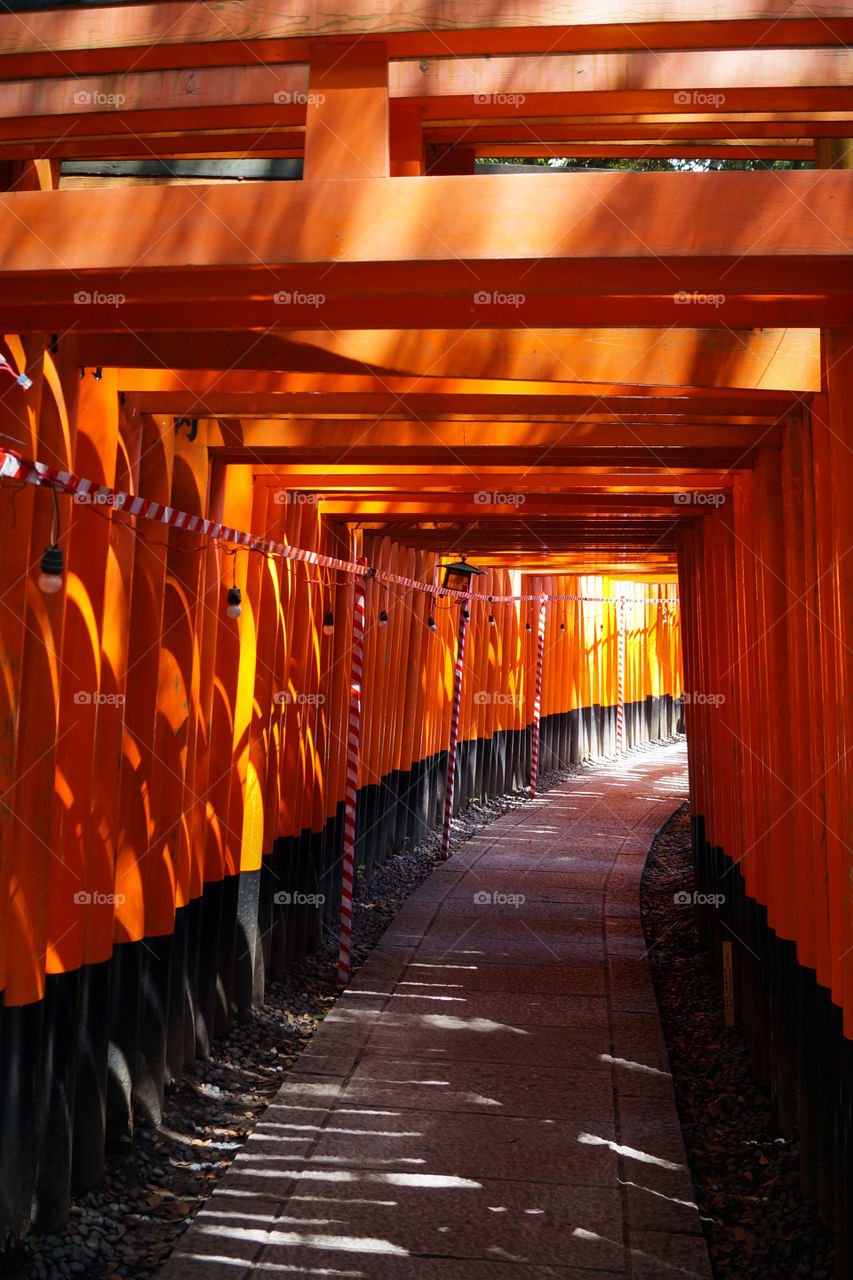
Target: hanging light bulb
465, 614
527, 626
234, 601
491, 619
431, 622
562, 626
328, 622
383, 617
52, 567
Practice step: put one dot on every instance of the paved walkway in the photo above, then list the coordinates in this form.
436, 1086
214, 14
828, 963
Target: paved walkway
491, 1099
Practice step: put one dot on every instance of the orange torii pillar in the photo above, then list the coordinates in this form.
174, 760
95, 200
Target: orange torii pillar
347, 117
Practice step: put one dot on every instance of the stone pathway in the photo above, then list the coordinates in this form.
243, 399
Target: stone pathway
491, 1098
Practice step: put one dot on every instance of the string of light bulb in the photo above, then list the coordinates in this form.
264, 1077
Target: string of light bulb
15, 466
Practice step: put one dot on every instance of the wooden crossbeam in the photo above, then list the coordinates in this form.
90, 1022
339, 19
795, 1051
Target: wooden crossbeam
691, 247
350, 441
516, 86
495, 362
162, 34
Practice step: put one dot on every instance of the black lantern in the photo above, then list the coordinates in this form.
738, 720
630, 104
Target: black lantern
457, 576
52, 568
234, 602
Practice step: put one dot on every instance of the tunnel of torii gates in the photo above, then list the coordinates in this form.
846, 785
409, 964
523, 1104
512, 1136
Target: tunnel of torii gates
313, 359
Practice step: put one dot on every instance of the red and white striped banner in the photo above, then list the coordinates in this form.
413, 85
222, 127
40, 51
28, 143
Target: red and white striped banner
353, 730
86, 492
537, 700
15, 467
454, 733
620, 673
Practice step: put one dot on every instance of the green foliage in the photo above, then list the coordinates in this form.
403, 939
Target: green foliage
652, 165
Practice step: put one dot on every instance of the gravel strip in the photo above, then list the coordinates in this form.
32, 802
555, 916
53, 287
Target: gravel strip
757, 1224
126, 1228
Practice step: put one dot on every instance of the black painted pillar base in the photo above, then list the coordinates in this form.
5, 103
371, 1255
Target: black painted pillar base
90, 1084
224, 1007
123, 1041
149, 1073
178, 1005
56, 1111
249, 960
20, 1092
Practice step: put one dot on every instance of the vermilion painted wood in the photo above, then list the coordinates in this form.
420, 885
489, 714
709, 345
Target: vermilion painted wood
222, 853
605, 218
602, 131
797, 496
161, 34
519, 86
18, 419
140, 874
27, 820
453, 478
316, 687
261, 584
406, 140
96, 656
411, 717
298, 717
423, 360
832, 438
419, 657
183, 622
812, 300
346, 119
